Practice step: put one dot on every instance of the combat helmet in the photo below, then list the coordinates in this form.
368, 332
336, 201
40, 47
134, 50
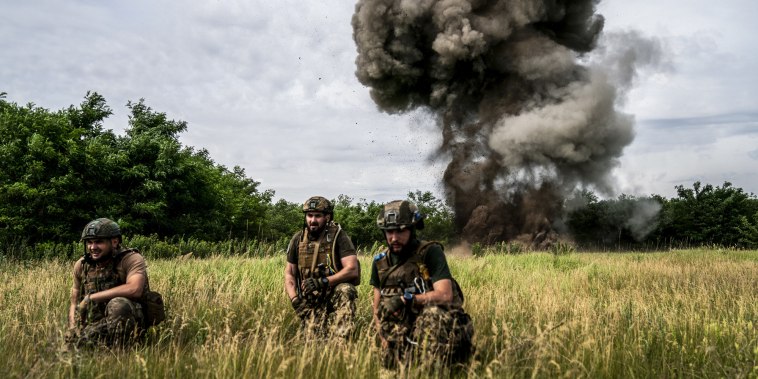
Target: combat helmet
399, 215
318, 204
101, 228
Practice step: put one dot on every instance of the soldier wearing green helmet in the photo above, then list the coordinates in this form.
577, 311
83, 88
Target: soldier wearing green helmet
322, 272
111, 301
417, 305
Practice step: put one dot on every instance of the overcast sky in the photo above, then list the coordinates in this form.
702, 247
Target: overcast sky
270, 86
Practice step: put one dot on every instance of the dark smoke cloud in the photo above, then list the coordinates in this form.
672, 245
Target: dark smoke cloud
523, 120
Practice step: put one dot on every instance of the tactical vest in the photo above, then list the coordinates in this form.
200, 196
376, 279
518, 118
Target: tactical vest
310, 254
411, 274
100, 278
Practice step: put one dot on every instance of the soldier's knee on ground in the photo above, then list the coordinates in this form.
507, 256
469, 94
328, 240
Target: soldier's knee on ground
122, 314
120, 307
445, 332
434, 317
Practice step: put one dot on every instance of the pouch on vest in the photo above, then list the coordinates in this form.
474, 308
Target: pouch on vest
153, 308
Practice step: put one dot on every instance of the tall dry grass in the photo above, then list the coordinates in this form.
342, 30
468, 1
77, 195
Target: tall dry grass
686, 313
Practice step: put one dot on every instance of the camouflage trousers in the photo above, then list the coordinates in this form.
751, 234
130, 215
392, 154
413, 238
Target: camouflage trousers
118, 322
437, 334
334, 315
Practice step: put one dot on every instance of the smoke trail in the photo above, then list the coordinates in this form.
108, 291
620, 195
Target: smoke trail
523, 122
644, 218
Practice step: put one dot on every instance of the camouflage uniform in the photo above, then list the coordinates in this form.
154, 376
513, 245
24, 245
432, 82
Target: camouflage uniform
333, 311
334, 316
433, 333
118, 320
439, 333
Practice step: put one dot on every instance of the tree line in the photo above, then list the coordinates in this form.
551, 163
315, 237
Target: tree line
60, 169
703, 215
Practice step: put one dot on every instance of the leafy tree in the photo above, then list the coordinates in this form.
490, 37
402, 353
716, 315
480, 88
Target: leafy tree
621, 222
245, 206
438, 217
61, 169
358, 219
705, 214
748, 231
282, 219
43, 156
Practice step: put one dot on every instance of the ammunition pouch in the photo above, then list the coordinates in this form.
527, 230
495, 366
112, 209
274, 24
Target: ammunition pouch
153, 308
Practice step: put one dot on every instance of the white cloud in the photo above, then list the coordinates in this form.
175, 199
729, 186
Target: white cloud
270, 86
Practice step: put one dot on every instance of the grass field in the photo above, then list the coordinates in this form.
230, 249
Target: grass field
689, 313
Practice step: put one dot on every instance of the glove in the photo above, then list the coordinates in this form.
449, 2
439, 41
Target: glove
300, 307
315, 287
391, 308
83, 307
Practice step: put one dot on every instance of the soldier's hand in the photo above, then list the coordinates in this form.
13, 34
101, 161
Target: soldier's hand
391, 307
315, 287
84, 306
300, 307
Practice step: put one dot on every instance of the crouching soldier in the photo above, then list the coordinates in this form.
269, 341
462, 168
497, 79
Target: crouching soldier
418, 306
322, 272
111, 301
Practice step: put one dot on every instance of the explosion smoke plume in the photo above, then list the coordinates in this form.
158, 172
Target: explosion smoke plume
523, 122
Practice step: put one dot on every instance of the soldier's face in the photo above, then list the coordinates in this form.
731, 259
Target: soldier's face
100, 247
315, 221
397, 239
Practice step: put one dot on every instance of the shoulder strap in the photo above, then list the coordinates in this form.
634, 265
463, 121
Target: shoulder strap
83, 281
120, 256
384, 259
330, 256
420, 257
425, 245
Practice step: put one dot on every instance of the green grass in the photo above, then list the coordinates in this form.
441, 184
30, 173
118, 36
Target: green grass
689, 313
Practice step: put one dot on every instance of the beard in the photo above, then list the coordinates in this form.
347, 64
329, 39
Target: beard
315, 233
409, 248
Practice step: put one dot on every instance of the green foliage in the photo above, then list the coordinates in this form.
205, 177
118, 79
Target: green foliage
621, 222
59, 170
45, 164
562, 248
699, 216
358, 219
509, 248
282, 220
154, 247
748, 231
477, 249
704, 215
438, 220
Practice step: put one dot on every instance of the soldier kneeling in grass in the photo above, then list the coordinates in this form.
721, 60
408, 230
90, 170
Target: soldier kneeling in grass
111, 301
322, 272
418, 306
